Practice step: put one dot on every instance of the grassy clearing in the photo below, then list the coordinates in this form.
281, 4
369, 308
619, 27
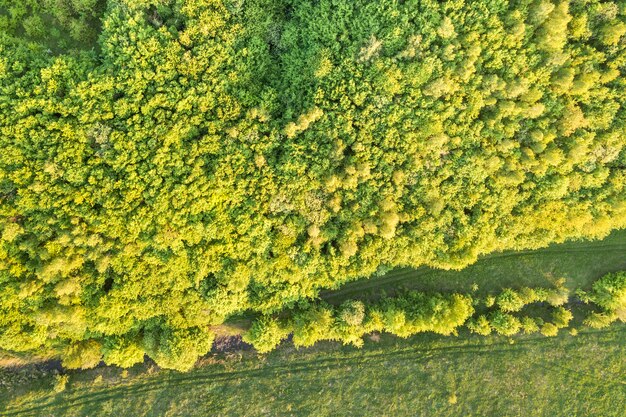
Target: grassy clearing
424, 375
579, 263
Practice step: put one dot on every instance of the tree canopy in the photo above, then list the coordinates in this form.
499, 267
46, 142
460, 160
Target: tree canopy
166, 164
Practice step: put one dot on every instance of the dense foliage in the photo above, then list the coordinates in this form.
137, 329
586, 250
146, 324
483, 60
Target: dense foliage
410, 313
609, 294
59, 24
198, 158
403, 316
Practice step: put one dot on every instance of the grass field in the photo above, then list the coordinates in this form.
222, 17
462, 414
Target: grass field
568, 376
583, 375
579, 263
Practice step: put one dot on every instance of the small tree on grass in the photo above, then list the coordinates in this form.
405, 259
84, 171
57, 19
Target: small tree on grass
609, 293
60, 383
557, 296
490, 301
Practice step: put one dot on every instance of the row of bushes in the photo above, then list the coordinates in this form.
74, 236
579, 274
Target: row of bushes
501, 321
507, 324
510, 301
403, 316
407, 314
414, 312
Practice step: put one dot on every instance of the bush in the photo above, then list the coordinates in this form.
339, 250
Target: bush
407, 314
479, 325
561, 317
84, 355
417, 312
557, 296
509, 301
529, 325
175, 348
599, 320
352, 313
60, 383
313, 324
549, 330
609, 292
412, 312
123, 352
490, 301
528, 295
504, 323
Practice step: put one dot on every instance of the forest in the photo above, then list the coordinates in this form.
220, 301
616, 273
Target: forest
166, 165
